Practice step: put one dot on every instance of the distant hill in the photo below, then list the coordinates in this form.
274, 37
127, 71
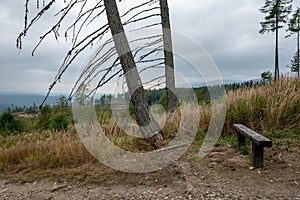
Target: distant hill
21, 100
216, 82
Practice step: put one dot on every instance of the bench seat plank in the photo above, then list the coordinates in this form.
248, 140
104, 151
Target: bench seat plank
252, 135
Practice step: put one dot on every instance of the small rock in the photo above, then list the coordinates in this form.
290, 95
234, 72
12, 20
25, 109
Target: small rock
296, 183
212, 164
57, 187
2, 191
68, 188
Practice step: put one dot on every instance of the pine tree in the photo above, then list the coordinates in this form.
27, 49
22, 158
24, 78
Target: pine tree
277, 12
295, 63
294, 28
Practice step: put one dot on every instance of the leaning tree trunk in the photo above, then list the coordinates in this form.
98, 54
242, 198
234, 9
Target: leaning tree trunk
149, 127
171, 100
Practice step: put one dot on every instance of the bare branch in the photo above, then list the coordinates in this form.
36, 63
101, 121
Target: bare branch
136, 7
144, 27
37, 17
149, 61
159, 65
155, 79
157, 50
84, 17
141, 12
103, 81
55, 28
142, 18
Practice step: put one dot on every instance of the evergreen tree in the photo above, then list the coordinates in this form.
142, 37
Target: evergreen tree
294, 28
295, 63
266, 76
277, 12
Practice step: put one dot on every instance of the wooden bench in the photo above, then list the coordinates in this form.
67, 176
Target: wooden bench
258, 143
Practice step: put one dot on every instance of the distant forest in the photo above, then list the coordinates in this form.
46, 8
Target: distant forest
153, 96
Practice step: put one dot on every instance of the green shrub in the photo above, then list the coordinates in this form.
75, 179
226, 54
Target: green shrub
44, 118
9, 124
59, 122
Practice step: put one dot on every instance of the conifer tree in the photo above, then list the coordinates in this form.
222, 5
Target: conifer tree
277, 12
294, 28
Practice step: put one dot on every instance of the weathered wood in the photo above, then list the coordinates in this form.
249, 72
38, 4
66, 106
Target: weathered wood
241, 140
258, 143
149, 128
252, 135
257, 156
171, 100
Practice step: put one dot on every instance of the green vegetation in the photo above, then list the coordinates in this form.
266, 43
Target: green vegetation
294, 29
277, 12
49, 140
9, 124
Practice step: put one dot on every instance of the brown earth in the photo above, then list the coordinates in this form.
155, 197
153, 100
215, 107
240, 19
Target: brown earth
223, 174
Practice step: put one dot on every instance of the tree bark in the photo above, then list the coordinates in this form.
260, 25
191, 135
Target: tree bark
171, 100
148, 125
298, 56
276, 53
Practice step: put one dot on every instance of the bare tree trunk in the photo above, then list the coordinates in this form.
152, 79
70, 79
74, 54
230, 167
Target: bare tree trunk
171, 100
276, 54
298, 56
149, 127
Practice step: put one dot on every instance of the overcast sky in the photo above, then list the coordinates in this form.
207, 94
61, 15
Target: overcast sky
226, 29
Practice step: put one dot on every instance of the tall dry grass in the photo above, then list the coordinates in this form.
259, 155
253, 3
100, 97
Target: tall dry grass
265, 108
262, 108
43, 151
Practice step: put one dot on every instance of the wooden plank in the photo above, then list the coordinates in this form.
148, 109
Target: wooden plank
241, 140
257, 156
252, 135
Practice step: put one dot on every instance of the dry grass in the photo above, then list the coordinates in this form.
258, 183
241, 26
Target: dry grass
266, 108
43, 151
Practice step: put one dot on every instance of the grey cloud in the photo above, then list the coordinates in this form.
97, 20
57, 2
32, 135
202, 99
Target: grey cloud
228, 30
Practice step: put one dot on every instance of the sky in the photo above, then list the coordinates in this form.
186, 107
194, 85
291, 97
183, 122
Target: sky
226, 30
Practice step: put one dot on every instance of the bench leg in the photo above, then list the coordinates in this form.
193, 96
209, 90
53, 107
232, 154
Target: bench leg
240, 140
257, 156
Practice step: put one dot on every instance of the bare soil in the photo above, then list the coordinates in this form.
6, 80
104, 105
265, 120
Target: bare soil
223, 174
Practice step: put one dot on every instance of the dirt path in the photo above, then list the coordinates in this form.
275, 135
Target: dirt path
224, 174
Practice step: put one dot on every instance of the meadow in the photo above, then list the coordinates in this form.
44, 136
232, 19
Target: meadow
270, 109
